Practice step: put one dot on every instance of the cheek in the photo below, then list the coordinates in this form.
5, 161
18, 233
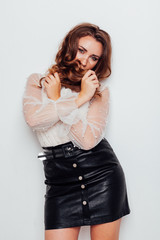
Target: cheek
77, 56
92, 64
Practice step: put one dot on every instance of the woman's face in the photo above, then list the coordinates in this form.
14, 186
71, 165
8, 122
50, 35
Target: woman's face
89, 52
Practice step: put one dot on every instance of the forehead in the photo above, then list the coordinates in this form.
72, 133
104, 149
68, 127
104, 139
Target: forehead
91, 45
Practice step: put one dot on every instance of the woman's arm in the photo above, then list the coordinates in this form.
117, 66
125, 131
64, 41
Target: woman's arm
87, 134
41, 112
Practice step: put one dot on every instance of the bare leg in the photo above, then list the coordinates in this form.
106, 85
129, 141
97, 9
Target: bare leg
106, 231
62, 234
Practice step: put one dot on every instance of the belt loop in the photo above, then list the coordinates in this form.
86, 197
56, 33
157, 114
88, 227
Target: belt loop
53, 153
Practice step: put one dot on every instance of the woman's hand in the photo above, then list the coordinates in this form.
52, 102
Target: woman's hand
53, 86
89, 84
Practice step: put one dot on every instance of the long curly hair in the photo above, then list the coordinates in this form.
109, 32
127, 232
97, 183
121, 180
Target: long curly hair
69, 69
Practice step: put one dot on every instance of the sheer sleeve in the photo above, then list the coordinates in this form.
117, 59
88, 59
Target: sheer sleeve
88, 132
40, 112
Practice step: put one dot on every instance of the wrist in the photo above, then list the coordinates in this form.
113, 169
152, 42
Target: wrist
81, 99
55, 97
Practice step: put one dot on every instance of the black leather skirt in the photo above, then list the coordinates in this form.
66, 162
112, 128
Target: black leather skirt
83, 187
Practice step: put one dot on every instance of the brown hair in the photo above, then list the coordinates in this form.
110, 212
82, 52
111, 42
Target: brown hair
69, 69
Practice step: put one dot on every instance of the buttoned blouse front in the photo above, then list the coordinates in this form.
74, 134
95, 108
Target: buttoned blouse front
61, 121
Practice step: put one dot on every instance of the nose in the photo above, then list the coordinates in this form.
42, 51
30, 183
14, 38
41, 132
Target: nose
84, 61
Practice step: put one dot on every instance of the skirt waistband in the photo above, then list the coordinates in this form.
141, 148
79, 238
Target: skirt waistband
62, 150
68, 149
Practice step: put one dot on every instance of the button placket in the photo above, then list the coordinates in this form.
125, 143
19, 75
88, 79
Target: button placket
84, 199
85, 205
84, 195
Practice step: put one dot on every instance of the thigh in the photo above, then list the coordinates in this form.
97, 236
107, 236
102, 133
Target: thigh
62, 233
106, 231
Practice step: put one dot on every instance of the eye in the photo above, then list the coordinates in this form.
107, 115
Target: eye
94, 59
81, 50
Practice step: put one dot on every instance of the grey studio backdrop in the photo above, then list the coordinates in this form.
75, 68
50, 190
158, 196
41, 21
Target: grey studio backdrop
31, 32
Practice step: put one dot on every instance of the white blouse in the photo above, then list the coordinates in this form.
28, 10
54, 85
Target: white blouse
61, 121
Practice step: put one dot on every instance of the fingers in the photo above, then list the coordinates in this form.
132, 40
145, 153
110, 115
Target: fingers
89, 73
47, 80
57, 76
91, 76
96, 84
95, 81
51, 78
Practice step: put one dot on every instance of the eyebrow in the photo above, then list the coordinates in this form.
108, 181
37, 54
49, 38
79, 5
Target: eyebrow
92, 54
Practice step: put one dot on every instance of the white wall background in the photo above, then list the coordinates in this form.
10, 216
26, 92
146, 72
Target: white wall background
30, 35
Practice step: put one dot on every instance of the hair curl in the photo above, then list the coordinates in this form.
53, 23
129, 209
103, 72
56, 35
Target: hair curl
69, 69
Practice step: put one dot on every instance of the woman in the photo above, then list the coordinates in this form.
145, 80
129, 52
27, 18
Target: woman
67, 107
